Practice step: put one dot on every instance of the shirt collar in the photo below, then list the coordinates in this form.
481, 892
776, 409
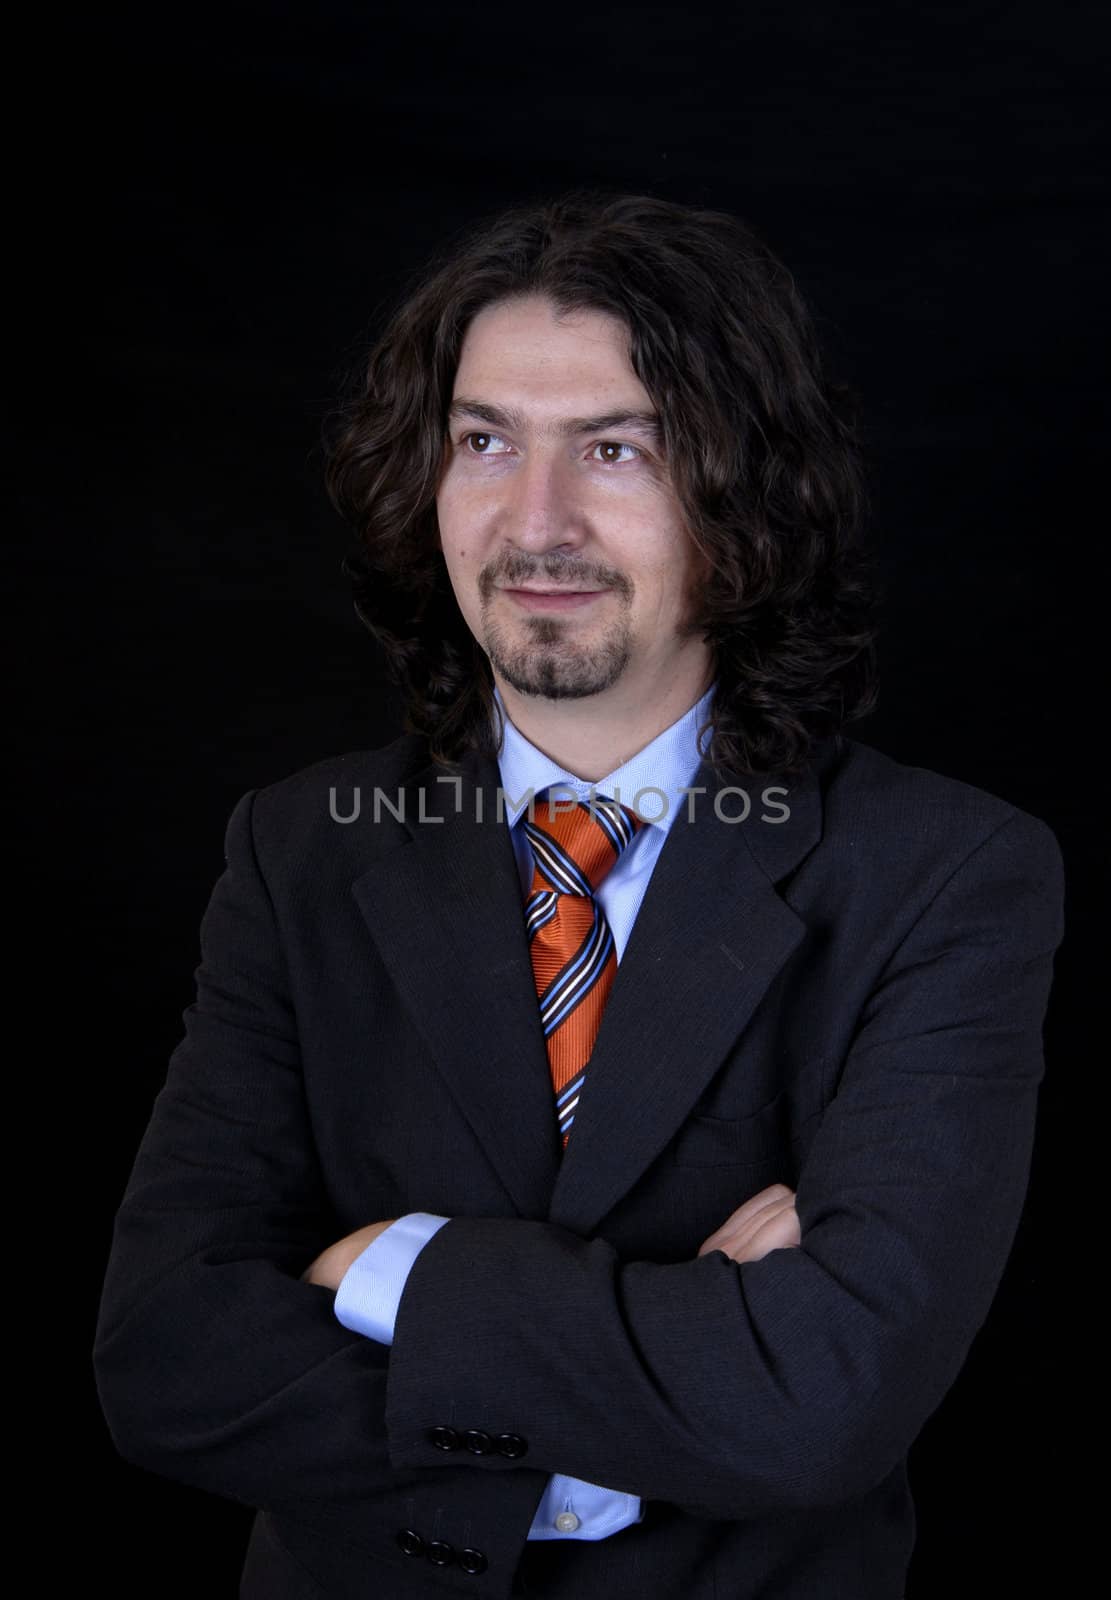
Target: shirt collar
668, 764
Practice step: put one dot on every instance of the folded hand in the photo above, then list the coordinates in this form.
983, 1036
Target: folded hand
766, 1222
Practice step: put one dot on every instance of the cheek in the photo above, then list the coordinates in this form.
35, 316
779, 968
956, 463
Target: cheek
464, 559
456, 562
667, 585
446, 527
458, 530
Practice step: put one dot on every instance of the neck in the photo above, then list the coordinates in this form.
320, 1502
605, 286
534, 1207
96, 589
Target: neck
595, 735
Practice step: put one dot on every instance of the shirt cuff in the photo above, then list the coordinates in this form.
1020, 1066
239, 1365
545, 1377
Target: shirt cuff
370, 1290
574, 1509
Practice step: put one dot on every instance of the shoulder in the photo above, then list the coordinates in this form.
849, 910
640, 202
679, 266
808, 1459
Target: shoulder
302, 815
395, 763
923, 826
861, 780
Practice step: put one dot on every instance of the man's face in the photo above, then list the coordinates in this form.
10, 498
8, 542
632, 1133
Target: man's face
565, 545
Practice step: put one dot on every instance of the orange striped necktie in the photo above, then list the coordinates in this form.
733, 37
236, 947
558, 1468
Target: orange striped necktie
574, 960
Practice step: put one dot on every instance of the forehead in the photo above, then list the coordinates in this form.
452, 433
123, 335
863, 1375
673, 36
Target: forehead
541, 359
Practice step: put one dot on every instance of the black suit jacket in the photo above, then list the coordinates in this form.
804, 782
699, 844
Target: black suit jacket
849, 1002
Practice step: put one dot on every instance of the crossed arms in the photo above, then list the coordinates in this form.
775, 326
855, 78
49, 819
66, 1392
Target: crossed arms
768, 1221
727, 1385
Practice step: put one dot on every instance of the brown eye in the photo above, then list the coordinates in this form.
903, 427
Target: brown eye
485, 438
613, 444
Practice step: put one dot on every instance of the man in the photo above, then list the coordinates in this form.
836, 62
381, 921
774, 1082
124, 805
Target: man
607, 1111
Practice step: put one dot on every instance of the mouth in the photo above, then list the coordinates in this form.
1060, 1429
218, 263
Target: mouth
552, 599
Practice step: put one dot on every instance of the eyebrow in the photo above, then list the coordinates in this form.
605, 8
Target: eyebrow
646, 422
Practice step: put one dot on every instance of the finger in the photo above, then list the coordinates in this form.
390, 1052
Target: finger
777, 1195
774, 1195
738, 1230
779, 1232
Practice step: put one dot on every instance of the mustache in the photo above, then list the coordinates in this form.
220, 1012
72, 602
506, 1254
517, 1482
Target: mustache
564, 571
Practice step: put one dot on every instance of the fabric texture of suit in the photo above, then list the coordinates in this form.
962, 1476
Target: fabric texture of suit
851, 1003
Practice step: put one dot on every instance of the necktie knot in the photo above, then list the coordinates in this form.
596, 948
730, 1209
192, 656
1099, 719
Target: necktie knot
575, 843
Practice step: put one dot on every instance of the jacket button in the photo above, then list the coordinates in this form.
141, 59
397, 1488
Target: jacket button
477, 1442
410, 1542
472, 1561
444, 1438
440, 1553
511, 1445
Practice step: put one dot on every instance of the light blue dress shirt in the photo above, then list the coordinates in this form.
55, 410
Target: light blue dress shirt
654, 782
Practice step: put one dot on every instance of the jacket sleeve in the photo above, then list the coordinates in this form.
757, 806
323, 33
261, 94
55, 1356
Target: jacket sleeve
803, 1378
367, 1300
215, 1364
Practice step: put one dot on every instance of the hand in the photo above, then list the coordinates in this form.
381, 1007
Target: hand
766, 1222
331, 1264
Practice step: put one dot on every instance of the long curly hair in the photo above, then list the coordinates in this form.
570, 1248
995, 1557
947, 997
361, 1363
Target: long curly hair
762, 449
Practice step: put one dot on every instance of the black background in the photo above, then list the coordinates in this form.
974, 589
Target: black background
228, 199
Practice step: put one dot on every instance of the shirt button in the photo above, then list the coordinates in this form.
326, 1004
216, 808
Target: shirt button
567, 1522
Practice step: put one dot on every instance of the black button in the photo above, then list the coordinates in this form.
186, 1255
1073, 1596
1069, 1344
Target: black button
511, 1445
440, 1553
444, 1438
477, 1442
472, 1561
410, 1542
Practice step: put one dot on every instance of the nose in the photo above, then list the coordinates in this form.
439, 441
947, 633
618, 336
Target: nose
543, 511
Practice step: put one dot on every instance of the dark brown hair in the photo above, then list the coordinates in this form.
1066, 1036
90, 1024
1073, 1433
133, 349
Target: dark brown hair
762, 450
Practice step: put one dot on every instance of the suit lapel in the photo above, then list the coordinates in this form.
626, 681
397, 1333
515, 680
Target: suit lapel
443, 902
445, 909
710, 935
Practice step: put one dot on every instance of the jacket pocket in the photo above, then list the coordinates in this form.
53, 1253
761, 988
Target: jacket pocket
760, 1139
